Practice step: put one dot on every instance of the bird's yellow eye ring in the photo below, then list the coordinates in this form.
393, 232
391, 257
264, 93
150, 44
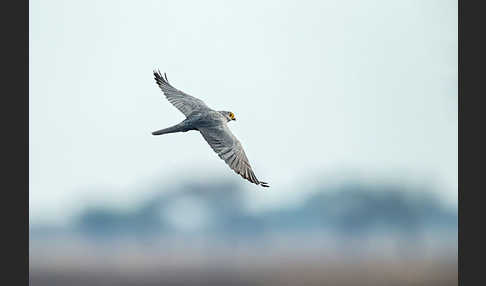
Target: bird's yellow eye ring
232, 115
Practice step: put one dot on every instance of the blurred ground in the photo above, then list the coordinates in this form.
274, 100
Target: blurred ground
202, 234
241, 269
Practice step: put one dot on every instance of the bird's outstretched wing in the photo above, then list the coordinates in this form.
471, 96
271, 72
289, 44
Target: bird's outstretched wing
181, 100
229, 148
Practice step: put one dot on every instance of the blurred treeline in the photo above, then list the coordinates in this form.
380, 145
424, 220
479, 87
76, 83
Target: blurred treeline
345, 212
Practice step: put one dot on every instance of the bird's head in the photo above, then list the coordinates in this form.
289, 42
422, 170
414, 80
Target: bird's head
228, 115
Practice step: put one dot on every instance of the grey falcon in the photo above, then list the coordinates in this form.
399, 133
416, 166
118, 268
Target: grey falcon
211, 124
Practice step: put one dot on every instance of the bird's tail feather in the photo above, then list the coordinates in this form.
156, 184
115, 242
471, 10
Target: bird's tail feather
172, 129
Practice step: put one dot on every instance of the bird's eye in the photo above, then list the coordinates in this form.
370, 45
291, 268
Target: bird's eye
232, 116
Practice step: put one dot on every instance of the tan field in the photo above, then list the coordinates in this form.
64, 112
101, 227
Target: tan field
238, 267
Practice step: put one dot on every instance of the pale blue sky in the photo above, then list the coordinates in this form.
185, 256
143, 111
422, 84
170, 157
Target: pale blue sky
318, 87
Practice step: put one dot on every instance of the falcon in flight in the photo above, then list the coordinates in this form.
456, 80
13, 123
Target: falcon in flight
212, 125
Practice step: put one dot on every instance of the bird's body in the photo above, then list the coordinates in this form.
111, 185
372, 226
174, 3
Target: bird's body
212, 124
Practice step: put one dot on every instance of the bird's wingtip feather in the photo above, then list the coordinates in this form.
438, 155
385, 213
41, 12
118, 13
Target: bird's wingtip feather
264, 184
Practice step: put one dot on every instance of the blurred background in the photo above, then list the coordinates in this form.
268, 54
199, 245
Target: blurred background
347, 108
